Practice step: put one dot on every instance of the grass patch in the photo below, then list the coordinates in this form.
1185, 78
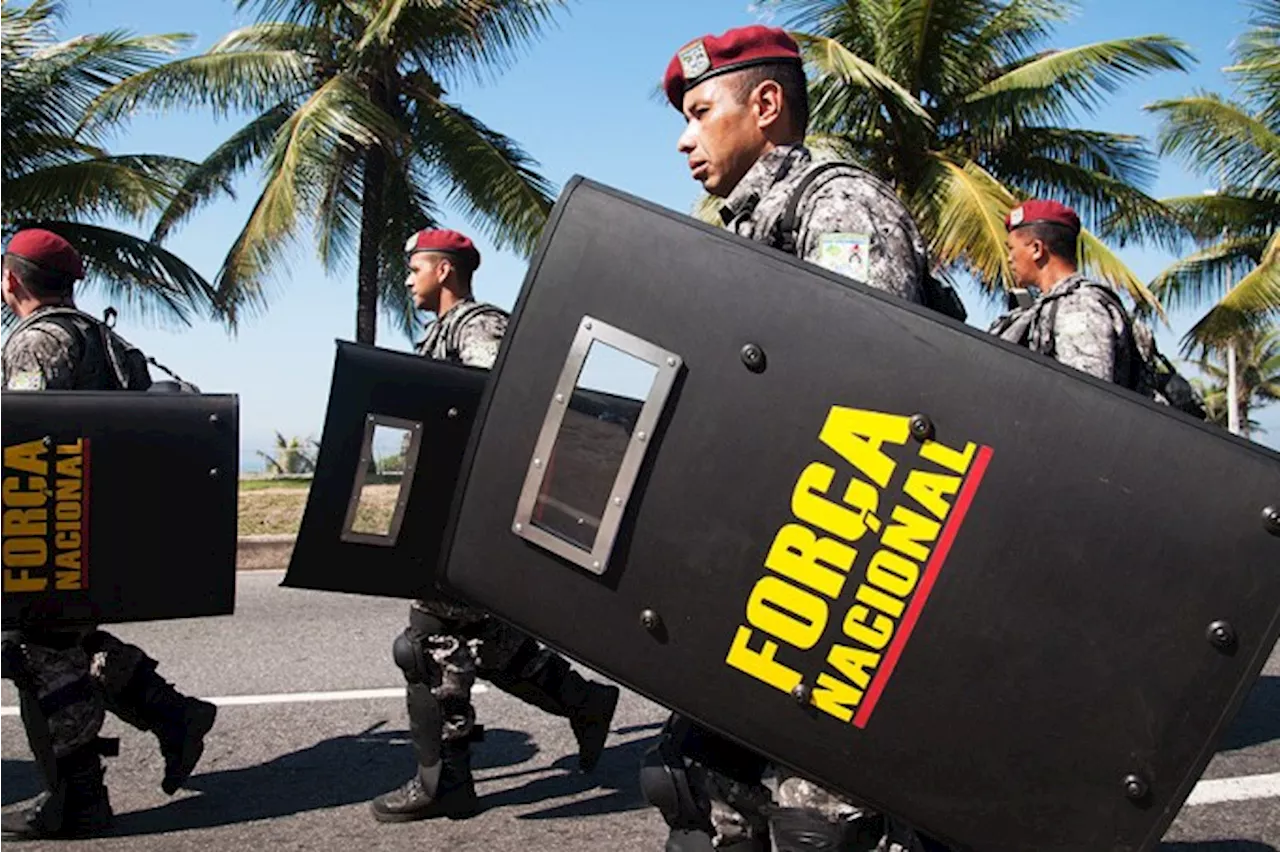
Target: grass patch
267, 510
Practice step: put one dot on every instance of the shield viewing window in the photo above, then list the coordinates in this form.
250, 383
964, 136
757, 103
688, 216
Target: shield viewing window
599, 424
382, 482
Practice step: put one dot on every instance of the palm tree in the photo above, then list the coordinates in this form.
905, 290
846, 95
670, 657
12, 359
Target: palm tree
1237, 144
57, 176
355, 135
947, 101
1257, 375
291, 455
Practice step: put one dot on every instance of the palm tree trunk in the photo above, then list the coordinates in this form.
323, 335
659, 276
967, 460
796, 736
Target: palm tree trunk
371, 225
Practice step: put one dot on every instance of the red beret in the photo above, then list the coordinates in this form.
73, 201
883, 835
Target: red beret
446, 241
1030, 212
48, 251
711, 55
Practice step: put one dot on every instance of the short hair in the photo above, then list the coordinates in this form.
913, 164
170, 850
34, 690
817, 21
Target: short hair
40, 281
788, 75
1059, 239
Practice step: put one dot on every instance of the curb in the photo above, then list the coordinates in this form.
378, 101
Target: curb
264, 552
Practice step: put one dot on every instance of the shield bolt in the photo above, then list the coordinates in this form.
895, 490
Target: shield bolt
650, 620
801, 694
753, 357
452, 413
1135, 787
1271, 519
47, 440
921, 427
213, 473
213, 419
1221, 635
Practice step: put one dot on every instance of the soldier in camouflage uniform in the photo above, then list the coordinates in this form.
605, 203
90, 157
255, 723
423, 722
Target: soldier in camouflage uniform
1078, 322
743, 95
447, 643
77, 674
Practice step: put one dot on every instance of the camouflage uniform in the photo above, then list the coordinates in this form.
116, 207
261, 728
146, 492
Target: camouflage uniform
851, 223
847, 221
458, 642
1087, 330
81, 672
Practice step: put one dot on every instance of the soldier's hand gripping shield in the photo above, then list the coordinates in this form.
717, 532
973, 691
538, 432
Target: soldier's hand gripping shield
118, 506
993, 596
394, 435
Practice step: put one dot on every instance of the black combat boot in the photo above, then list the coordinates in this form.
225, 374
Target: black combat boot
590, 721
545, 680
79, 807
452, 794
180, 722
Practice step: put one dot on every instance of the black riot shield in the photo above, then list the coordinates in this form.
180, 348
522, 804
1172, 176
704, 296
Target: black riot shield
1002, 600
393, 439
118, 506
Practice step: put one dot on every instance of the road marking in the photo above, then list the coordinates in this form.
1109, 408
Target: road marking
1235, 789
297, 697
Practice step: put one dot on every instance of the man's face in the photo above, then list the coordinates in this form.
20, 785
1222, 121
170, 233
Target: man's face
427, 272
1024, 254
723, 138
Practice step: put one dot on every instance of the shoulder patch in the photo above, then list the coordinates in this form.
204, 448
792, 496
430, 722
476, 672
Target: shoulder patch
26, 380
847, 254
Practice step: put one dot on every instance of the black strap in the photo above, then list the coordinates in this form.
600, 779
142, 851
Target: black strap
1130, 340
789, 223
469, 312
34, 721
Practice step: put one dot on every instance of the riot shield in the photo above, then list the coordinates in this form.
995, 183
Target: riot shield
991, 595
394, 435
118, 506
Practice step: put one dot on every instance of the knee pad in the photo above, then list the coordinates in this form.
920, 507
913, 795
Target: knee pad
664, 783
806, 830
410, 656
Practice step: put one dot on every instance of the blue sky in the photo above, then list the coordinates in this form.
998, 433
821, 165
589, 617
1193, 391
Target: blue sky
579, 102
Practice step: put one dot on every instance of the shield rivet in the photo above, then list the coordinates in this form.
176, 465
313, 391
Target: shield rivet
453, 412
921, 427
47, 440
753, 358
1221, 635
801, 694
213, 420
1271, 519
213, 473
518, 527
650, 620
1135, 787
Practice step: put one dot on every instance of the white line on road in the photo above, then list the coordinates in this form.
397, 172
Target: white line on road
1208, 792
1235, 789
297, 697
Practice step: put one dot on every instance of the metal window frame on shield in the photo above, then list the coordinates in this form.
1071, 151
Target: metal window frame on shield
667, 366
371, 424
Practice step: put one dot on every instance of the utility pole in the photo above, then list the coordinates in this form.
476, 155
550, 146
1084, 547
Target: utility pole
1233, 392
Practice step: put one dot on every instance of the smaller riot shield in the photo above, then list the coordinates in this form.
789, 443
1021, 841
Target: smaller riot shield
394, 436
118, 507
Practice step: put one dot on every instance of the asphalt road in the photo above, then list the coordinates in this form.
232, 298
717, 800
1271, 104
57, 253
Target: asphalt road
298, 750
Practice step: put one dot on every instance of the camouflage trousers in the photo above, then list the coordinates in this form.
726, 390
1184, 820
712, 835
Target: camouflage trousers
77, 675
740, 811
473, 643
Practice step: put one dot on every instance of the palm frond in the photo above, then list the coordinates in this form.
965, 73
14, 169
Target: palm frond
1221, 139
961, 208
128, 187
833, 60
494, 182
1046, 89
1098, 261
1210, 272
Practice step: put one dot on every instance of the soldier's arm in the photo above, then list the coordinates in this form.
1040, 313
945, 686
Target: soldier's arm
846, 217
1085, 336
40, 358
479, 340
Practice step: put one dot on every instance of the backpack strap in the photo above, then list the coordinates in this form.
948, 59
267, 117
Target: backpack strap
469, 313
1109, 295
789, 224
